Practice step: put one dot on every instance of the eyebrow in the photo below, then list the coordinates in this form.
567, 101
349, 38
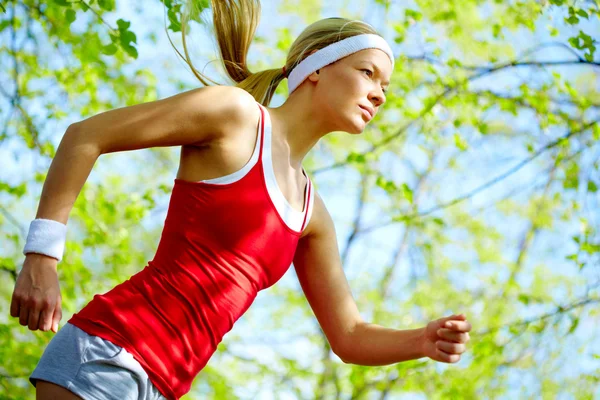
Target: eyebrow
377, 68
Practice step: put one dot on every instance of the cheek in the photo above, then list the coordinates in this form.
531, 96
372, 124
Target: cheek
339, 97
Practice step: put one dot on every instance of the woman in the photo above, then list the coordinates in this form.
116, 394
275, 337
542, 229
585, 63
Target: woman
242, 209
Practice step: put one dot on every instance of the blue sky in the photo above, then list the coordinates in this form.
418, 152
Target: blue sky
338, 186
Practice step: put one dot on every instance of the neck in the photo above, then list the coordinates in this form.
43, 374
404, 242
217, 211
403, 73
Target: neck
298, 125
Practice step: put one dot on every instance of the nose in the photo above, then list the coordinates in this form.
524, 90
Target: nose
377, 97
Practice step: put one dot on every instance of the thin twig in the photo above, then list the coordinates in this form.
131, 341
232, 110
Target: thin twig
485, 185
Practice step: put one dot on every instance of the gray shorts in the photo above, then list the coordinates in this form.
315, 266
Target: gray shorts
93, 368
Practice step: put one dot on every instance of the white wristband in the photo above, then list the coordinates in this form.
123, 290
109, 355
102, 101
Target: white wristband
46, 237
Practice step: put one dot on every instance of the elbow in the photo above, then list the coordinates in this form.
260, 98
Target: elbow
345, 357
75, 137
72, 134
347, 346
73, 129
340, 350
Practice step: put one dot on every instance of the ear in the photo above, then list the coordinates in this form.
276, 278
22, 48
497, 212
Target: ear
314, 77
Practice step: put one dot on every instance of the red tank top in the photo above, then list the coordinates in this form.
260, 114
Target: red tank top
223, 240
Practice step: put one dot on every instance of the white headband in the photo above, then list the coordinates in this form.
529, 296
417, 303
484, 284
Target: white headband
334, 52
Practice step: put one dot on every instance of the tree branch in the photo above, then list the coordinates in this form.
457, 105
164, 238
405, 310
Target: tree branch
487, 184
559, 310
526, 241
483, 71
481, 68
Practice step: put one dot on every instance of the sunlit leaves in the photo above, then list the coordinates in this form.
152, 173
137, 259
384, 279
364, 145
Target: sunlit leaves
126, 37
572, 176
460, 142
70, 15
174, 15
584, 42
108, 5
452, 132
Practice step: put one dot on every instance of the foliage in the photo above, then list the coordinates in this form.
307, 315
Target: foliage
474, 190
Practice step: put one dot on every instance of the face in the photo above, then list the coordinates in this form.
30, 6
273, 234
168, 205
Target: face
352, 84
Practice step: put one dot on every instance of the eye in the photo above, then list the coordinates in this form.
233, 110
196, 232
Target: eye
368, 70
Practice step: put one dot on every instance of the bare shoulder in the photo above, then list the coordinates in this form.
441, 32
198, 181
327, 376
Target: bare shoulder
233, 122
196, 117
232, 107
320, 224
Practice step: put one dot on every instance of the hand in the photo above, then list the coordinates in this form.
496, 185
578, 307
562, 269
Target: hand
36, 298
445, 338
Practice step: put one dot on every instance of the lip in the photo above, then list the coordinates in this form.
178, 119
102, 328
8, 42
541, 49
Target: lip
370, 111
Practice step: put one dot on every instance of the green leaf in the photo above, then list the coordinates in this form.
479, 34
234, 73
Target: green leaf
17, 191
401, 218
414, 14
574, 324
70, 15
572, 177
356, 157
109, 50
128, 37
574, 41
132, 51
439, 221
407, 193
572, 20
583, 14
523, 298
123, 25
538, 326
108, 5
590, 248
496, 30
483, 127
460, 142
572, 257
388, 186
592, 187
515, 330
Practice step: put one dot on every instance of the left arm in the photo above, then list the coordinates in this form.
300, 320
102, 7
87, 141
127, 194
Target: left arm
318, 266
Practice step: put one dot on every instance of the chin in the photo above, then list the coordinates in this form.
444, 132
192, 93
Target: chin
354, 129
360, 127
353, 125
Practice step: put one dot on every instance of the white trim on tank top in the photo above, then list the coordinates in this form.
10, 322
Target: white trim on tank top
292, 218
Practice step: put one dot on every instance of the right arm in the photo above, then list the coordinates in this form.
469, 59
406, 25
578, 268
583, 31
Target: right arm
197, 117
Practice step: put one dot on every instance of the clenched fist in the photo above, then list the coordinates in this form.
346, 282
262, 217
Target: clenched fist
36, 300
445, 338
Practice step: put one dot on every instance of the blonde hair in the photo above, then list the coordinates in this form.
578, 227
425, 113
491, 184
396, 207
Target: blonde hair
235, 23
